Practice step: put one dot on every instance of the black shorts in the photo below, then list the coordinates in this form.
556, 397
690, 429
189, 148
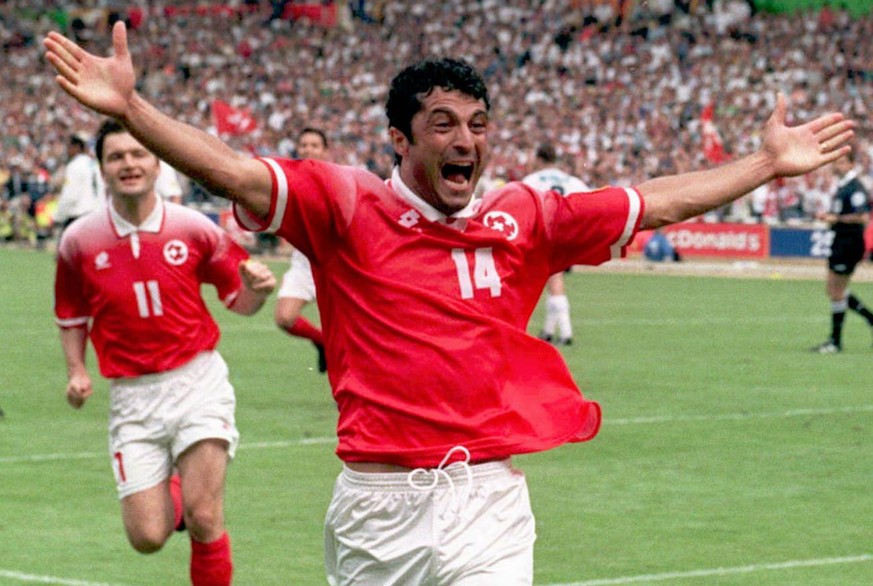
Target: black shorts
846, 253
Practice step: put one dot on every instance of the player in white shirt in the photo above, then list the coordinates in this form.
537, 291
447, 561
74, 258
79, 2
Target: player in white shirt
167, 185
79, 194
548, 177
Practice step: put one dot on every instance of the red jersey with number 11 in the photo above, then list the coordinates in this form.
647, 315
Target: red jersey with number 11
139, 287
425, 316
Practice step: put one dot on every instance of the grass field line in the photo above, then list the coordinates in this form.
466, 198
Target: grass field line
638, 579
654, 419
710, 572
34, 579
738, 416
701, 321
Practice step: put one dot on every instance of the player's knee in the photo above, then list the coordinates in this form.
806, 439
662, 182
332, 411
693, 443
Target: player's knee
286, 321
148, 540
204, 523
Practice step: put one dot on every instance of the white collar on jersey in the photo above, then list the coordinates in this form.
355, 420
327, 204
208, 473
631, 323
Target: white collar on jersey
151, 224
854, 172
428, 211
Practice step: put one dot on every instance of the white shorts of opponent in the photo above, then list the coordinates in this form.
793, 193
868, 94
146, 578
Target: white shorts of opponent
297, 281
155, 417
460, 525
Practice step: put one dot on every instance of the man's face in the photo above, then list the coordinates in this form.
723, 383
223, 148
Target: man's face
843, 165
311, 146
449, 150
128, 168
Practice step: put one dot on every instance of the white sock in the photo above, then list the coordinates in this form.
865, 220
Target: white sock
562, 312
550, 322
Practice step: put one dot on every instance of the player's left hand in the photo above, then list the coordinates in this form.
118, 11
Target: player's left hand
79, 389
257, 277
800, 149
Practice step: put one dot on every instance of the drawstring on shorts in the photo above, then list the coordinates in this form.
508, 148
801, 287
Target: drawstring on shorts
440, 472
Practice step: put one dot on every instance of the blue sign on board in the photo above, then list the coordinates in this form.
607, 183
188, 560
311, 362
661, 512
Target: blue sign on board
808, 242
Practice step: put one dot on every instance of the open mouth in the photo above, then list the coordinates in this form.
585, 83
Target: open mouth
457, 172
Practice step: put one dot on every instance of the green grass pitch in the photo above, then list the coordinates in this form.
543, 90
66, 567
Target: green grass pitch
729, 454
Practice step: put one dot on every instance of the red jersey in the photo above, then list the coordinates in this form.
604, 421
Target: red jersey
425, 316
139, 286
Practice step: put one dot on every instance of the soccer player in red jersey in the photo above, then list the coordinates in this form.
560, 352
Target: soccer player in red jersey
438, 393
129, 277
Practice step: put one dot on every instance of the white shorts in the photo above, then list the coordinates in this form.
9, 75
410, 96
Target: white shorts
380, 530
297, 281
155, 417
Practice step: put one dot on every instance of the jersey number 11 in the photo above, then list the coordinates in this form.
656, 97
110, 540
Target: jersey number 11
148, 298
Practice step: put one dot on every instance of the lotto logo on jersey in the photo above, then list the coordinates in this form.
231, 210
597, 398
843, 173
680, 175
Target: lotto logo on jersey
409, 219
101, 261
503, 223
175, 252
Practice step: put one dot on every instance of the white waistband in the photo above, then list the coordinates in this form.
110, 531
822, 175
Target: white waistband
198, 361
400, 480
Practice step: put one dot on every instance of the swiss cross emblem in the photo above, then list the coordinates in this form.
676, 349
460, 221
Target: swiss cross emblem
503, 223
175, 252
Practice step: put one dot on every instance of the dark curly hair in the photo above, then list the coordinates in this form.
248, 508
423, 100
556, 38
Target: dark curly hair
107, 127
416, 81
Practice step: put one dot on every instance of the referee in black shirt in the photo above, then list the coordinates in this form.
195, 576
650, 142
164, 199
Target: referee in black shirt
849, 213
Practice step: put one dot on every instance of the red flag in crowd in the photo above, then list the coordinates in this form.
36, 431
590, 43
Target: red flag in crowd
230, 120
713, 148
318, 13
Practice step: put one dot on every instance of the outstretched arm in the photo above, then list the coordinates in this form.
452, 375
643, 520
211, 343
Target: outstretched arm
786, 151
107, 85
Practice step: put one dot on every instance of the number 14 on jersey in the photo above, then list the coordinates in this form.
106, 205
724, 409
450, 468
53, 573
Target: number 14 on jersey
483, 275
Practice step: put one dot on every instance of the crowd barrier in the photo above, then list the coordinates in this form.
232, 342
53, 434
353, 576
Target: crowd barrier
752, 241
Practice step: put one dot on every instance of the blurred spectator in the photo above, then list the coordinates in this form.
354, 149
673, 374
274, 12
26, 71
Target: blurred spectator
659, 249
6, 230
23, 223
17, 178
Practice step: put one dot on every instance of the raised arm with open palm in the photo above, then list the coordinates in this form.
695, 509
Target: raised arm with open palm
107, 85
786, 151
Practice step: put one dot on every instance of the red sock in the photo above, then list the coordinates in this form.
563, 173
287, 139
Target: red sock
176, 497
210, 562
304, 329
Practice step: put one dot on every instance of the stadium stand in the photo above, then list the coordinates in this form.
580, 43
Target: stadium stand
656, 87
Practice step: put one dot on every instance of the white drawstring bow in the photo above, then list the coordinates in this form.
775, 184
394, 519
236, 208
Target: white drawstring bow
440, 472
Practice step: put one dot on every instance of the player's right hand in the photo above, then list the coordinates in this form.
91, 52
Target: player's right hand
257, 276
78, 390
105, 84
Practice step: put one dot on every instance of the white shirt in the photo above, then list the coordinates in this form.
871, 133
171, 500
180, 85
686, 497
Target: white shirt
555, 180
79, 193
167, 184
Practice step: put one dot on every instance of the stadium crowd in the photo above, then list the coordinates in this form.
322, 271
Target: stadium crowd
622, 87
